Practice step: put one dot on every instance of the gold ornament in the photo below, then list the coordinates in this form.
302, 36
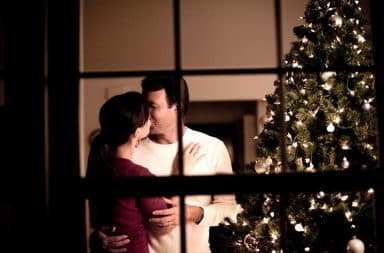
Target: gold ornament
287, 118
251, 243
360, 38
344, 144
261, 166
327, 74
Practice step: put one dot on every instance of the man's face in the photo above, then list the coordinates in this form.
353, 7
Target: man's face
163, 116
144, 130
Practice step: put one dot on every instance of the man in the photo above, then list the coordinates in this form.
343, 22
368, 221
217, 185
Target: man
158, 153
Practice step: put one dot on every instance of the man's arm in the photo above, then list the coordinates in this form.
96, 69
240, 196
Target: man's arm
166, 219
100, 242
222, 206
170, 217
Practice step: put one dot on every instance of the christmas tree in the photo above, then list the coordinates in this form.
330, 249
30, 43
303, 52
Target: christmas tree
330, 122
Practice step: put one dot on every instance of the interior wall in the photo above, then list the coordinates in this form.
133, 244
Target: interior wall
127, 35
138, 35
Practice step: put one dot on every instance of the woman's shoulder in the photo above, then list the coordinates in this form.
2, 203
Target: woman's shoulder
126, 167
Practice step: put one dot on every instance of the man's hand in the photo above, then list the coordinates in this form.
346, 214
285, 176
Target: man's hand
192, 155
113, 243
169, 218
165, 220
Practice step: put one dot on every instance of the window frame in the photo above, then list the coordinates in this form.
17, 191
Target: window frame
64, 77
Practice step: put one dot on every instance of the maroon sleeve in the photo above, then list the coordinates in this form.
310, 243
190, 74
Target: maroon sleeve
150, 204
147, 204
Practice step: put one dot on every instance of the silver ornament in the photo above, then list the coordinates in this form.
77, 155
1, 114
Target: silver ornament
345, 163
355, 245
335, 21
366, 106
330, 128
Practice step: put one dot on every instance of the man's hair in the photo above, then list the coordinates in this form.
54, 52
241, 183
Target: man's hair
171, 84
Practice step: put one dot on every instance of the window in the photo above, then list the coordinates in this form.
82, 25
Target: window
67, 80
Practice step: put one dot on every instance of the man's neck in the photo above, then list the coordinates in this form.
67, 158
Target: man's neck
166, 138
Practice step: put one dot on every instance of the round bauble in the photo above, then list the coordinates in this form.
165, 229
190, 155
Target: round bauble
355, 245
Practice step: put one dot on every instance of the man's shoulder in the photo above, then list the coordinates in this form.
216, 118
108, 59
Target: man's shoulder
198, 136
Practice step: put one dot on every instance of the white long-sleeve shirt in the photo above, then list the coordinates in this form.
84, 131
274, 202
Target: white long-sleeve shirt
159, 158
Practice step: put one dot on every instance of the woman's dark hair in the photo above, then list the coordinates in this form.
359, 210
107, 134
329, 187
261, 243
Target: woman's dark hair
119, 117
171, 84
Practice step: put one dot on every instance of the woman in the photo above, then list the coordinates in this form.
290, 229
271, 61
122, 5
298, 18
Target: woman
124, 121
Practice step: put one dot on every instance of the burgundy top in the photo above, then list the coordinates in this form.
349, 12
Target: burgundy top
130, 215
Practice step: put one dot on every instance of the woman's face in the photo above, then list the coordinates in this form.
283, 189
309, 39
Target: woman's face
145, 129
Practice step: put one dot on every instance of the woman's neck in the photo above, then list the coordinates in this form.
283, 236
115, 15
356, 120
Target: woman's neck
125, 150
